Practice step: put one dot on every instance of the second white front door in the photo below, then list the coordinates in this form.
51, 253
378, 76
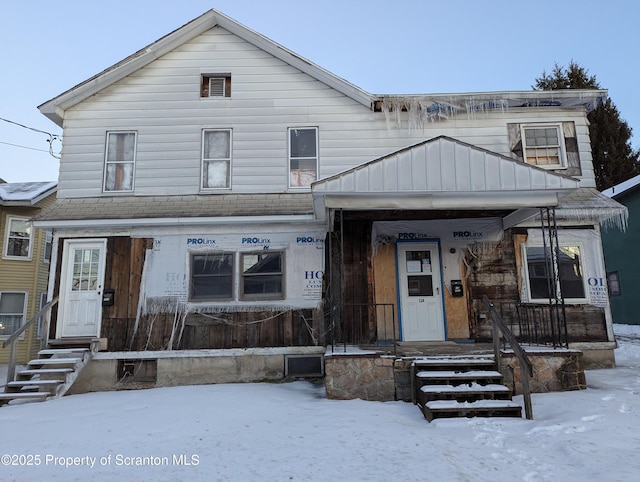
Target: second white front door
81, 283
421, 306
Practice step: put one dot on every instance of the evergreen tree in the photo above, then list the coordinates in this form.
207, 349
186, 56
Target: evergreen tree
614, 160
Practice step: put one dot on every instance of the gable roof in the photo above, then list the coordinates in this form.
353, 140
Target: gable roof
441, 173
432, 106
53, 108
25, 193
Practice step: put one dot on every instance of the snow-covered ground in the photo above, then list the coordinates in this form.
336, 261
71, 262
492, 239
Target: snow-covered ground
290, 431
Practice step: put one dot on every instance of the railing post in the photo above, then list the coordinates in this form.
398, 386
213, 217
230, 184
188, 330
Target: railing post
526, 369
11, 368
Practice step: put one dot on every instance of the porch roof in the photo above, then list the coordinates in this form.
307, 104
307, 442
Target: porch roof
441, 174
130, 211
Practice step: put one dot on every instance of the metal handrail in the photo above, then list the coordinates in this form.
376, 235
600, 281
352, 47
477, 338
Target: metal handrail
12, 340
526, 369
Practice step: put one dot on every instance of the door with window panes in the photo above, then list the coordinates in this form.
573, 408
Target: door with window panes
419, 280
80, 307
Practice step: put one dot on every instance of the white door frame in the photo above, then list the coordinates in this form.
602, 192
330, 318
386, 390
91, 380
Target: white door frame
422, 316
91, 298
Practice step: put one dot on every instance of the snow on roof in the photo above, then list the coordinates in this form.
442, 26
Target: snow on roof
25, 192
622, 187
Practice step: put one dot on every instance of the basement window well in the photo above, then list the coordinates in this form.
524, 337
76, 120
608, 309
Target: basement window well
138, 371
304, 365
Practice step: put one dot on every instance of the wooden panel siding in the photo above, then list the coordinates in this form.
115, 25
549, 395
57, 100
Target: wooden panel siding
162, 103
217, 331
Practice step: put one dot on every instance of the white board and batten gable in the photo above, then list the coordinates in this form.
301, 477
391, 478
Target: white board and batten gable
441, 173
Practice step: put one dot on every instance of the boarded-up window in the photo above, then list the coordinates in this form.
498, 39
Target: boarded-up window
303, 156
120, 161
216, 159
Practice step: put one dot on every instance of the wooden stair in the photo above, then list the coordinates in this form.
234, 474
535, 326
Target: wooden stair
469, 386
48, 376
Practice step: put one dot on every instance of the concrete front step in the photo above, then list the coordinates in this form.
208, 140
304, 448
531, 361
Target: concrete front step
29, 396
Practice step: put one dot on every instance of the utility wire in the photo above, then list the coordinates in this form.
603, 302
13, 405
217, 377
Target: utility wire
30, 128
23, 147
52, 137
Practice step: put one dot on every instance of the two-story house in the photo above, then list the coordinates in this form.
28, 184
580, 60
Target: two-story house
24, 263
218, 191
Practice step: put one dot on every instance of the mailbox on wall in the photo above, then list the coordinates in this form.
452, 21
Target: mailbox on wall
456, 287
108, 297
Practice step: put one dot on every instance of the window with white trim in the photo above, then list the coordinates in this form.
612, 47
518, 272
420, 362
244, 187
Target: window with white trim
303, 156
120, 159
216, 159
571, 273
262, 275
13, 307
18, 238
543, 145
48, 246
211, 276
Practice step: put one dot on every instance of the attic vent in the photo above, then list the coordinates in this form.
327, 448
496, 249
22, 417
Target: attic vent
215, 85
303, 365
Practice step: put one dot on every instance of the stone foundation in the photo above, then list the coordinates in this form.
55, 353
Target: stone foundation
364, 376
553, 371
383, 378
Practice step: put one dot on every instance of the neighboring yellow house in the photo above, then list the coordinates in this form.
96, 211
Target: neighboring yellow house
24, 262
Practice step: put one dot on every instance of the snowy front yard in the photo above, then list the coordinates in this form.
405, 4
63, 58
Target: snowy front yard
290, 431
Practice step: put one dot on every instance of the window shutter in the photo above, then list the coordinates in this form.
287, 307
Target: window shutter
216, 87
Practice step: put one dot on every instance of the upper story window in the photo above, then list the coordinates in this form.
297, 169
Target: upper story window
215, 85
13, 307
216, 158
119, 161
570, 267
551, 145
18, 236
543, 145
303, 156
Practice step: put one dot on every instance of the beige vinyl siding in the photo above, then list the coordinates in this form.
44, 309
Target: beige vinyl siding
25, 276
162, 103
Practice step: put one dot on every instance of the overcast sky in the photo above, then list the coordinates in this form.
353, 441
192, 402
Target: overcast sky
382, 46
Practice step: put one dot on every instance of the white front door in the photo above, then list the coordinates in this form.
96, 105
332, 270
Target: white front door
81, 283
421, 307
